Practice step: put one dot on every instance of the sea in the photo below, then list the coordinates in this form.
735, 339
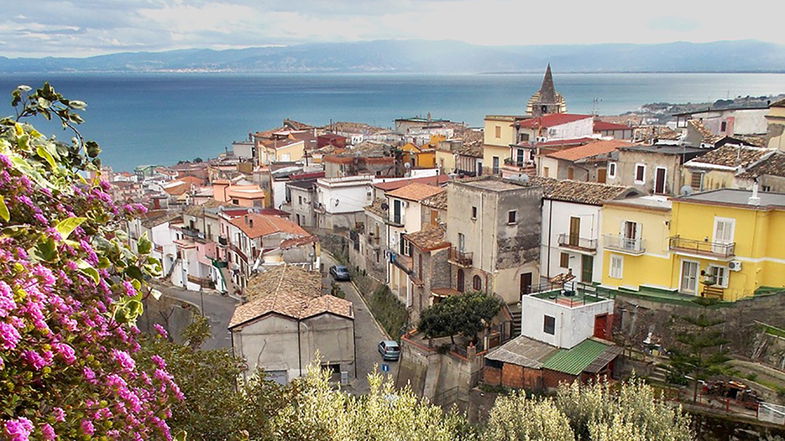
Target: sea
162, 118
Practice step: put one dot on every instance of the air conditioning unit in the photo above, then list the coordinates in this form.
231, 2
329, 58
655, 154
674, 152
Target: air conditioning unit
734, 265
541, 139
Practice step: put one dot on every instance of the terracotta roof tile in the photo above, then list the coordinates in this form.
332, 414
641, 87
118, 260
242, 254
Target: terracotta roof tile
731, 156
774, 165
591, 193
290, 291
376, 208
589, 150
708, 136
256, 225
430, 180
429, 238
600, 126
437, 201
551, 120
415, 191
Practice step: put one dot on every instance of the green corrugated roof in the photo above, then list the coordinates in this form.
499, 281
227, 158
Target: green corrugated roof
574, 361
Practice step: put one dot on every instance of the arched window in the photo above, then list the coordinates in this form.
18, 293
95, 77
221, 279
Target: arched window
460, 280
477, 283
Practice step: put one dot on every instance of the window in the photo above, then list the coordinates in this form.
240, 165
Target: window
696, 181
477, 283
397, 212
405, 245
640, 173
765, 188
617, 267
474, 212
723, 229
235, 202
570, 173
611, 169
461, 242
546, 172
523, 137
723, 126
300, 200
519, 155
498, 132
512, 216
720, 275
549, 325
564, 260
496, 165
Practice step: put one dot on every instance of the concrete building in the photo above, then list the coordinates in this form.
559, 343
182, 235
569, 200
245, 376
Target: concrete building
498, 134
571, 226
340, 201
588, 163
428, 269
607, 129
494, 228
300, 198
653, 169
553, 127
725, 167
775, 126
287, 321
728, 121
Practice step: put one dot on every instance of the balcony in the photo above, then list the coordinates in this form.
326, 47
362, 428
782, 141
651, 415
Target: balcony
702, 248
460, 258
402, 262
193, 234
575, 242
571, 294
222, 241
622, 244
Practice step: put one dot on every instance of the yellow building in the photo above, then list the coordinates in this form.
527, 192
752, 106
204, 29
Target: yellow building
635, 241
498, 134
723, 243
776, 125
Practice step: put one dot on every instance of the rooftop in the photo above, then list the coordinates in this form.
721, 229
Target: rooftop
551, 120
774, 165
437, 201
257, 225
429, 238
491, 183
662, 203
665, 149
523, 351
558, 142
430, 180
740, 198
415, 191
731, 156
590, 355
290, 291
600, 126
589, 150
376, 208
591, 193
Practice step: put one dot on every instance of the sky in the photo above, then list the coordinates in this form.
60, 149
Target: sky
36, 28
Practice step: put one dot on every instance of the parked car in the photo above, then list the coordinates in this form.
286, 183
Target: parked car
340, 272
390, 350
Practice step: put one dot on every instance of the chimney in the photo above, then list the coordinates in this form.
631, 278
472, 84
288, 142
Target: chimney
754, 199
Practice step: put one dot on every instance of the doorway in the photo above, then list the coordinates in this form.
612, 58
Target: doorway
575, 231
659, 180
689, 277
587, 268
601, 175
601, 326
461, 280
526, 283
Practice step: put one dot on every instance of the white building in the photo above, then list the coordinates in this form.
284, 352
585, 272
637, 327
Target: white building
571, 227
555, 126
340, 202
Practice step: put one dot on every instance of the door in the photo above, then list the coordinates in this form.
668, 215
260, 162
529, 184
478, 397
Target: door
659, 180
575, 230
526, 283
723, 234
460, 280
601, 326
630, 235
601, 175
587, 267
689, 277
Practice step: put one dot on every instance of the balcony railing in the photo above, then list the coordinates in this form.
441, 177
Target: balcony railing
702, 247
571, 294
222, 241
460, 258
574, 241
624, 244
193, 234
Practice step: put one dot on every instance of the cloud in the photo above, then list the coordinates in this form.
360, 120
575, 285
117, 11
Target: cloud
89, 27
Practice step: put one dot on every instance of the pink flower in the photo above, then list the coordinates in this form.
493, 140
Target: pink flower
48, 432
87, 427
9, 336
130, 291
18, 429
160, 330
126, 362
59, 414
7, 303
65, 351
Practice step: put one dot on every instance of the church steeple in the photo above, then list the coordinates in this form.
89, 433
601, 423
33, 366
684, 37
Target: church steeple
547, 90
547, 99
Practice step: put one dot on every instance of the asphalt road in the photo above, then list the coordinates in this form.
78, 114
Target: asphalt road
367, 335
217, 308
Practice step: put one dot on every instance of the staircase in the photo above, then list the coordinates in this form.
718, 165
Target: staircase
515, 327
659, 374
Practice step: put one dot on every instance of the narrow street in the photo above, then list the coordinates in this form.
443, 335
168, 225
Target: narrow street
217, 308
367, 334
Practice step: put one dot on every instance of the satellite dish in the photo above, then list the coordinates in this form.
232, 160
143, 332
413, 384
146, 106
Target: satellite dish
385, 206
686, 190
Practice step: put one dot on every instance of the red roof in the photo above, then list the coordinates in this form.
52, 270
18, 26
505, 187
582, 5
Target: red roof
258, 225
551, 120
558, 142
430, 180
312, 175
601, 126
589, 150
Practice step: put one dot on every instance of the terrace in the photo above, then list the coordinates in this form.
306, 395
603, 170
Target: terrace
460, 258
572, 294
702, 248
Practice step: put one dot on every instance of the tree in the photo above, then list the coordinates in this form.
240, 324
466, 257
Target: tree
465, 314
597, 412
699, 352
70, 290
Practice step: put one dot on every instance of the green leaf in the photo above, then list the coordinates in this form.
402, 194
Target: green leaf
134, 272
144, 245
47, 156
4, 214
155, 293
46, 249
67, 226
92, 273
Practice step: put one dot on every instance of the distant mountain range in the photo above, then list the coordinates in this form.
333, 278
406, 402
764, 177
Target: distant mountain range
424, 56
